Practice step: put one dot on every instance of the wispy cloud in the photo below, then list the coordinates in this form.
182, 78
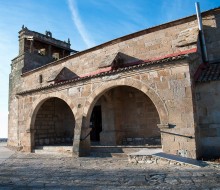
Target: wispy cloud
79, 24
115, 18
131, 10
177, 9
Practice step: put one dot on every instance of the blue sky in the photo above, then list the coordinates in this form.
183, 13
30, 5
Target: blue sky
86, 22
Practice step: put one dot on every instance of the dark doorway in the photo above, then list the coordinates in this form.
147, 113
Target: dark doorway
96, 124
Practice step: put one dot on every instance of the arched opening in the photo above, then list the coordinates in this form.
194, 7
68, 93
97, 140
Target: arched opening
124, 116
54, 124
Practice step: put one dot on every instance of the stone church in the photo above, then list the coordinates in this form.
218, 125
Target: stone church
159, 86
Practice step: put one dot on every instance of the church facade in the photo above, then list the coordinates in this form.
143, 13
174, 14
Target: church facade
150, 87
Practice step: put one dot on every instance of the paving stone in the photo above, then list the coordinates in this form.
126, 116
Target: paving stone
171, 181
33, 171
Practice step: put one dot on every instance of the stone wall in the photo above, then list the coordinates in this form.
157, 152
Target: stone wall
54, 123
168, 85
149, 44
207, 99
144, 46
15, 83
212, 36
36, 61
127, 112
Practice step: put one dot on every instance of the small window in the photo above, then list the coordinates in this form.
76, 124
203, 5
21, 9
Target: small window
40, 78
42, 51
56, 56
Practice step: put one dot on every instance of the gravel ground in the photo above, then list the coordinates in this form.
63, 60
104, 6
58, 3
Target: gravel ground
36, 171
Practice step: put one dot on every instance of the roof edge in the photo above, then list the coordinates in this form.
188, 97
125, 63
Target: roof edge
126, 37
109, 70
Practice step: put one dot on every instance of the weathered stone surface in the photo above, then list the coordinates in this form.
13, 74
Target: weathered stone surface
62, 75
107, 78
162, 91
59, 172
187, 37
208, 113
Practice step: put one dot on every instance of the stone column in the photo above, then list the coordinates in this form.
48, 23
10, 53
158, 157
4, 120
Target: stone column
26, 141
107, 136
31, 45
81, 143
63, 53
49, 50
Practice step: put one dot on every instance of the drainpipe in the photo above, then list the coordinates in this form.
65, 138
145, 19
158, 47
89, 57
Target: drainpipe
201, 33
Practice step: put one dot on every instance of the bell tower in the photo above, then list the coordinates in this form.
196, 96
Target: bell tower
35, 50
41, 49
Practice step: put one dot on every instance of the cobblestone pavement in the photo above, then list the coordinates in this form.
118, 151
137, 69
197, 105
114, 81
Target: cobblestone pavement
5, 153
35, 171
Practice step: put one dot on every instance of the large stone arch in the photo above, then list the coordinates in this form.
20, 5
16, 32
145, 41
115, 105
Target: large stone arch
137, 84
34, 110
84, 147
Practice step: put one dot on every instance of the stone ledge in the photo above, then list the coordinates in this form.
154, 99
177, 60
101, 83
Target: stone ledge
166, 126
163, 126
160, 160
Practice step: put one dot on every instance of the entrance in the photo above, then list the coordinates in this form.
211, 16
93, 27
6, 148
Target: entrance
96, 124
125, 116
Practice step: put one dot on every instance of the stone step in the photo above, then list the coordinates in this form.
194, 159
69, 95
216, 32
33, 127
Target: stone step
114, 151
100, 154
55, 148
108, 154
141, 141
181, 160
67, 150
120, 149
106, 150
119, 155
158, 157
69, 154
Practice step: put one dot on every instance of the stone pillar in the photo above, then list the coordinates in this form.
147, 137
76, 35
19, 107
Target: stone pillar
63, 53
107, 136
31, 46
26, 143
13, 128
81, 143
49, 51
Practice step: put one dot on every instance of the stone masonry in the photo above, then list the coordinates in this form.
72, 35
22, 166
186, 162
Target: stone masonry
145, 84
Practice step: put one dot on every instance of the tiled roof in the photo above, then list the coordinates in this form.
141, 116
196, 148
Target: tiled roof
114, 71
210, 73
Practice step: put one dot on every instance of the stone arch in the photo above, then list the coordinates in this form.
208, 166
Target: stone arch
35, 108
84, 131
137, 84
